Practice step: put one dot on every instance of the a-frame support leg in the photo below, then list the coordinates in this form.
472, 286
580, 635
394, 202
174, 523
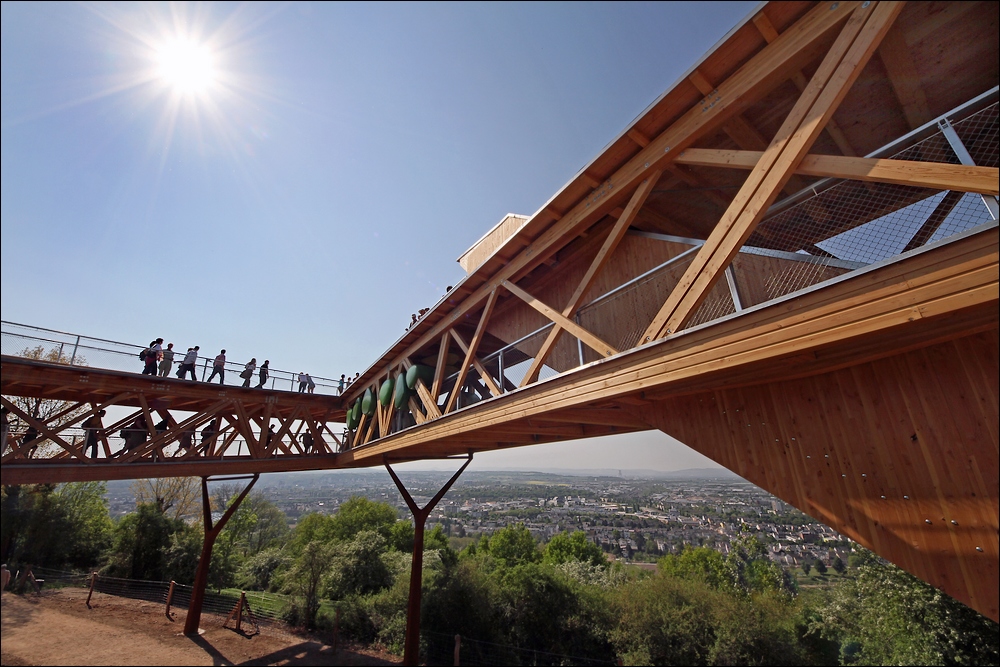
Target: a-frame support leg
411, 647
211, 534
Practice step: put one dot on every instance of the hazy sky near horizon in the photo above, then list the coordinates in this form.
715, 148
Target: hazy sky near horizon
313, 191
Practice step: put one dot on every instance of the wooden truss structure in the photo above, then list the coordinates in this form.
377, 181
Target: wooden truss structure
789, 262
220, 424
792, 99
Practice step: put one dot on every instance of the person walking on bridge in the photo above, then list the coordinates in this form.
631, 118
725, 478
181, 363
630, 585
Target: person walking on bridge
93, 428
302, 381
248, 370
310, 385
264, 371
151, 356
219, 368
167, 360
190, 359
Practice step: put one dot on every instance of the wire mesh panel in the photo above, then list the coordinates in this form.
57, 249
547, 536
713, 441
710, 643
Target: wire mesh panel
845, 225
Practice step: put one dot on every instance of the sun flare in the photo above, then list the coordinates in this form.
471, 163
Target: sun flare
187, 67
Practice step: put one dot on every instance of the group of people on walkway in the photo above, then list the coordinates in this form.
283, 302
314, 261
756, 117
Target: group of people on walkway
346, 382
159, 361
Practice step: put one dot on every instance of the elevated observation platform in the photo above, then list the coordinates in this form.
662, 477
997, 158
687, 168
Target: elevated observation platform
729, 270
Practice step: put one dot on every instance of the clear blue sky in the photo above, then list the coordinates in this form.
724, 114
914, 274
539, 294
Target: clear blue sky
320, 187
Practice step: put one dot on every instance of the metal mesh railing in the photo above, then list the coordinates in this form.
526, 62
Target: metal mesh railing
78, 350
849, 224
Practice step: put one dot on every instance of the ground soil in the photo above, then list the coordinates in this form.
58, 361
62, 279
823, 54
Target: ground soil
57, 628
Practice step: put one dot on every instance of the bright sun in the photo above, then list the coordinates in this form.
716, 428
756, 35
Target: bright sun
186, 66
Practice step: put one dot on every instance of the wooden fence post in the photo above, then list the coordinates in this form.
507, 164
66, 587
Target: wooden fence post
336, 629
239, 611
93, 582
170, 597
458, 649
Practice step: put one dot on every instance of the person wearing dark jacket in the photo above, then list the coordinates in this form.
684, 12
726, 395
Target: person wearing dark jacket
263, 374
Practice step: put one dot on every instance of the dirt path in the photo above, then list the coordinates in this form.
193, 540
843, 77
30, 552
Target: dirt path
58, 629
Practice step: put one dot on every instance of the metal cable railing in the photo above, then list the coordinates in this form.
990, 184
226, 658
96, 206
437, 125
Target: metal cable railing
79, 350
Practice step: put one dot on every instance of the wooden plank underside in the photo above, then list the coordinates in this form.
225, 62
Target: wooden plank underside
918, 489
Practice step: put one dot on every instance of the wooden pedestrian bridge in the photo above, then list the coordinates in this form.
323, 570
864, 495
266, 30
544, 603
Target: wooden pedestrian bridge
788, 262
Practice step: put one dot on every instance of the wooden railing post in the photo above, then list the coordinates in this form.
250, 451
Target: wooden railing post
239, 611
170, 597
458, 649
93, 582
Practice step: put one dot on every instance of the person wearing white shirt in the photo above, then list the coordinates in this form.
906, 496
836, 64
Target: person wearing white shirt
248, 370
190, 359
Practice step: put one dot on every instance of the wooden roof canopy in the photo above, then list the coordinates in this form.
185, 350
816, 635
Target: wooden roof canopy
936, 56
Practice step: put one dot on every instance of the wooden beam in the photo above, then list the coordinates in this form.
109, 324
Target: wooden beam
569, 325
905, 79
937, 175
589, 180
478, 365
44, 432
470, 354
922, 294
598, 416
442, 363
611, 241
418, 415
430, 405
839, 69
765, 70
638, 137
768, 31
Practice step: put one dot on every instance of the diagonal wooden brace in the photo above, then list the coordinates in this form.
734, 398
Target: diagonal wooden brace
838, 71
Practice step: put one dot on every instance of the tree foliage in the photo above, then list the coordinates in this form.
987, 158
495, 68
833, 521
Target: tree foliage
698, 607
887, 616
55, 526
566, 547
175, 497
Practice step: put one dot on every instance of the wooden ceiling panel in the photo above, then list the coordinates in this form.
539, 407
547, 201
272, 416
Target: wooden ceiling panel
958, 60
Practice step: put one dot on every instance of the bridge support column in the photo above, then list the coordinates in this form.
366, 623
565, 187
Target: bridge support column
411, 647
211, 534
